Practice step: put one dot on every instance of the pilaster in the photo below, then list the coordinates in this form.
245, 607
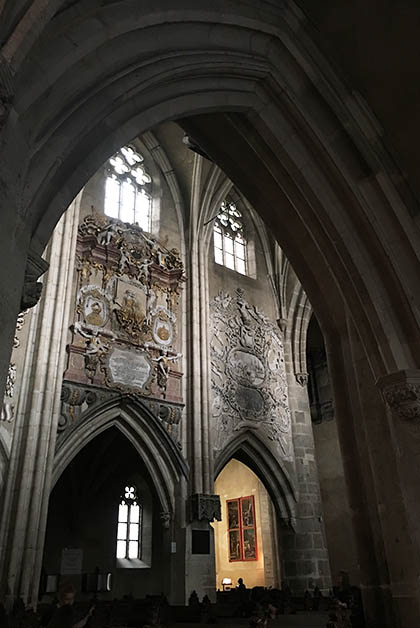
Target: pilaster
28, 483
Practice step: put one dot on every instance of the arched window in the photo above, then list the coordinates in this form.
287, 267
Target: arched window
229, 240
127, 189
129, 524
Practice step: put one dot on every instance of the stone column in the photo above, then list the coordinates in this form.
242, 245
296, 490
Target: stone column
401, 393
27, 489
200, 569
372, 452
305, 555
18, 267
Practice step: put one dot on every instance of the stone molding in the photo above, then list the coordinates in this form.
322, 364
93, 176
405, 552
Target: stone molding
204, 507
401, 391
77, 399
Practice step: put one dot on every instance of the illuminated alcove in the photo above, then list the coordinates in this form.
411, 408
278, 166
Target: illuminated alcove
247, 514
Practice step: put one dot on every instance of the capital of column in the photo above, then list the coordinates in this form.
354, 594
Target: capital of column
302, 379
401, 391
282, 324
165, 518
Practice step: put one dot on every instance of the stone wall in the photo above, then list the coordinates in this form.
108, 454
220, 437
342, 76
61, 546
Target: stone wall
335, 507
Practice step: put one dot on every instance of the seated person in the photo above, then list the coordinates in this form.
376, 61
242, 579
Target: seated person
240, 586
63, 616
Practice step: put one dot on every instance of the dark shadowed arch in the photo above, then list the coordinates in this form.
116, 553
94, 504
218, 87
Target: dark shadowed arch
162, 458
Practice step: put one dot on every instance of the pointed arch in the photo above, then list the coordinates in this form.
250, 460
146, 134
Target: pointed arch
274, 81
299, 315
249, 449
162, 159
143, 430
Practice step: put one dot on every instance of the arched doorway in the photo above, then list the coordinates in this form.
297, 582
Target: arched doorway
122, 444
84, 517
246, 539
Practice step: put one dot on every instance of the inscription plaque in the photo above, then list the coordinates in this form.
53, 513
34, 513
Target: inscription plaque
129, 368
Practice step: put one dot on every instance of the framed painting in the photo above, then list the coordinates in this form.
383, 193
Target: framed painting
242, 532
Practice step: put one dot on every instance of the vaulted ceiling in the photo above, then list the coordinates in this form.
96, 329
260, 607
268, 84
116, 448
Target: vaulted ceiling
372, 44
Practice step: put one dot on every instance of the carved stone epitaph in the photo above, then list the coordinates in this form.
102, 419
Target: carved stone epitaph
129, 368
249, 381
126, 333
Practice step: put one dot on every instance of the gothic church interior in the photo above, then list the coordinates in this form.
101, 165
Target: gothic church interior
210, 348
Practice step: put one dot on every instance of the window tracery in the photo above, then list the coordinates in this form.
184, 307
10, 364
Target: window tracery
127, 188
130, 521
229, 240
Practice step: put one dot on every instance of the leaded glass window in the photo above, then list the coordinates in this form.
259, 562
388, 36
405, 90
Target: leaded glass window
129, 524
127, 188
229, 240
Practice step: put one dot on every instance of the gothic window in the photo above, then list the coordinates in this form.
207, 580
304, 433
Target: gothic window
229, 241
242, 530
127, 189
129, 524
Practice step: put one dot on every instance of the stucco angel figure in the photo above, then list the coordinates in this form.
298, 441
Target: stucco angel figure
143, 269
151, 304
156, 251
108, 232
125, 260
163, 363
95, 349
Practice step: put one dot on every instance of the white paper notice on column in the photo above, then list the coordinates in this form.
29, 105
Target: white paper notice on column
71, 561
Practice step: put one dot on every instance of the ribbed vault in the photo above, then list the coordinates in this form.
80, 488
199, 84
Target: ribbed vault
282, 128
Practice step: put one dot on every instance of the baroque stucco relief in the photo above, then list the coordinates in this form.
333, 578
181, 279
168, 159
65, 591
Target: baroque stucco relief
125, 336
249, 383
